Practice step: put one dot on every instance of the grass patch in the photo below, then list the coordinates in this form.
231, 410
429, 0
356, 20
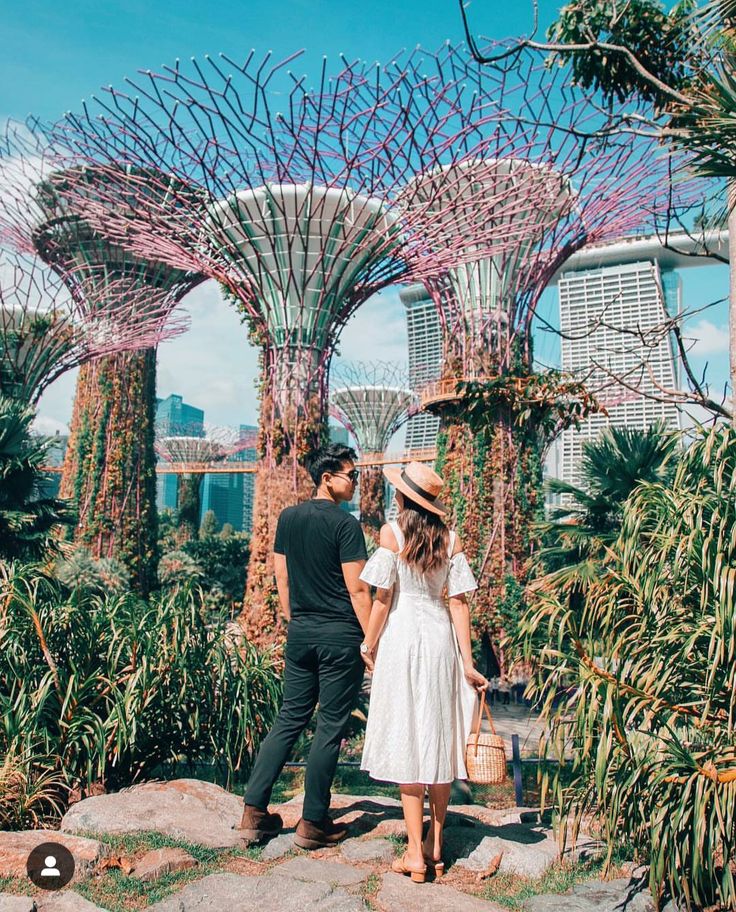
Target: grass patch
119, 892
18, 886
511, 890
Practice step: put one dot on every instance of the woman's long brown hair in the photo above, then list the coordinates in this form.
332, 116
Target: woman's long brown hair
426, 537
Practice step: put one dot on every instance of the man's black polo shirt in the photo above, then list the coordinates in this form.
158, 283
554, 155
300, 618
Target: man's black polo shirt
317, 537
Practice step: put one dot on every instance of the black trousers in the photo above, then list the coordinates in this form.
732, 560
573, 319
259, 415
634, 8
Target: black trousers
330, 674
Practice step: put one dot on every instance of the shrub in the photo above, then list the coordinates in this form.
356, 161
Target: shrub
639, 687
114, 688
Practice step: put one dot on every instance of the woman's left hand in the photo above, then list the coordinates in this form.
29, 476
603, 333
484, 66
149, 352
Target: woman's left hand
475, 678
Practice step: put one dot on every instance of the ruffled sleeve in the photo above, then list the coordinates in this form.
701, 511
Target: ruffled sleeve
460, 577
380, 571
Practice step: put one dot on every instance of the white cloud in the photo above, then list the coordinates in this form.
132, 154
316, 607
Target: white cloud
43, 424
710, 339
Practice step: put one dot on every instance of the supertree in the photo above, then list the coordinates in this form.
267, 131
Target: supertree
372, 400
301, 226
192, 455
552, 176
46, 331
109, 466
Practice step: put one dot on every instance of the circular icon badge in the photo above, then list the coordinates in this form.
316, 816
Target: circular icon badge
50, 866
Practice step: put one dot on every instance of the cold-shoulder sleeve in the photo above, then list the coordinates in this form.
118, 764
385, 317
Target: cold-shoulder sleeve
460, 577
380, 570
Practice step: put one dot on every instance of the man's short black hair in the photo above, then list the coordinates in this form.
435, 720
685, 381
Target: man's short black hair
329, 458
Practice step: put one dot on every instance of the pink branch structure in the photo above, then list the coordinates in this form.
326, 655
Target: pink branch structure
46, 331
550, 175
420, 170
295, 214
128, 301
372, 401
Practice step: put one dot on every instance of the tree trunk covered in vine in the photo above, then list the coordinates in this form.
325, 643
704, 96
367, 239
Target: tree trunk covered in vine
372, 501
109, 471
286, 436
494, 487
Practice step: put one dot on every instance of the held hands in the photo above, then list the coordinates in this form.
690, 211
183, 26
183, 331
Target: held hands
368, 657
475, 678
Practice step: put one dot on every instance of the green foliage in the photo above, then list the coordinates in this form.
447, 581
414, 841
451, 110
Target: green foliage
223, 561
117, 689
27, 519
81, 571
209, 524
579, 532
639, 687
177, 568
661, 41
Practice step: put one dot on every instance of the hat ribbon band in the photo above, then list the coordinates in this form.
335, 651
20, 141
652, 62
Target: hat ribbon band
415, 487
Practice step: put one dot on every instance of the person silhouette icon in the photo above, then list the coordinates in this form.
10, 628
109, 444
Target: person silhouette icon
50, 870
50, 866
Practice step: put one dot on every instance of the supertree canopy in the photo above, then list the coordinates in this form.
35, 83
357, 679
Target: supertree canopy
109, 465
46, 331
372, 401
301, 225
192, 455
553, 175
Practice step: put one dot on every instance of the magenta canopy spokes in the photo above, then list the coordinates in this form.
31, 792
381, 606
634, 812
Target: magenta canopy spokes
123, 302
299, 226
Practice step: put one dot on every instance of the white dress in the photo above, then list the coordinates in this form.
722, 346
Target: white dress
421, 706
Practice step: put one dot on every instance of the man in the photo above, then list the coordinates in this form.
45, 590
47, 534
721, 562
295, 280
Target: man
319, 552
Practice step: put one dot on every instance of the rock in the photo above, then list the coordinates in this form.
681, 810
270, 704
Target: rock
199, 812
556, 902
66, 901
11, 903
526, 851
346, 809
594, 896
399, 894
157, 862
278, 847
15, 847
395, 827
317, 870
233, 893
368, 850
615, 896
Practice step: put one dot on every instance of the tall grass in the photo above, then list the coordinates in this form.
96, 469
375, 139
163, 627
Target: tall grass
639, 684
114, 689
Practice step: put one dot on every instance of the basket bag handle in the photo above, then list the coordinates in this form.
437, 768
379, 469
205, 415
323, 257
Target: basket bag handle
483, 708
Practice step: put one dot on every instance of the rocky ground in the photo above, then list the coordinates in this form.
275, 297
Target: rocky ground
201, 866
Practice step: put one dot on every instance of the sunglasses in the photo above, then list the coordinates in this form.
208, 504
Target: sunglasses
353, 475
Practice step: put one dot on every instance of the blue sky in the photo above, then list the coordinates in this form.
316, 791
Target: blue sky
55, 54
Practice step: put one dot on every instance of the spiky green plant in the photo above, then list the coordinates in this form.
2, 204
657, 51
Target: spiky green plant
114, 688
27, 519
580, 530
639, 688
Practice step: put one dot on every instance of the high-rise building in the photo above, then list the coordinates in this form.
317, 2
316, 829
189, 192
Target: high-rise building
231, 496
610, 321
425, 360
174, 418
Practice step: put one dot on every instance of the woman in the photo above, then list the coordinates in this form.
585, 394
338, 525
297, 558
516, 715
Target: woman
423, 692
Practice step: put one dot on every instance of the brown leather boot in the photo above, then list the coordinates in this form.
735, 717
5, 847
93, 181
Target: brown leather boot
257, 825
318, 836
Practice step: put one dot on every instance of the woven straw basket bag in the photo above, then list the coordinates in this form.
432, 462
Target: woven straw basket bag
485, 753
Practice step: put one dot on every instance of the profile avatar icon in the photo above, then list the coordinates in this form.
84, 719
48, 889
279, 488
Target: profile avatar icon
50, 866
50, 870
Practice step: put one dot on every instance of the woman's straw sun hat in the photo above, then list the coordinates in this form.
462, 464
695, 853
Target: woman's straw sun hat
419, 483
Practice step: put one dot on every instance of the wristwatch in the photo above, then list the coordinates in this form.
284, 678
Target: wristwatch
365, 650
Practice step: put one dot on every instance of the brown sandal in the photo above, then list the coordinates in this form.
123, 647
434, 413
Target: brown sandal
436, 867
399, 866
